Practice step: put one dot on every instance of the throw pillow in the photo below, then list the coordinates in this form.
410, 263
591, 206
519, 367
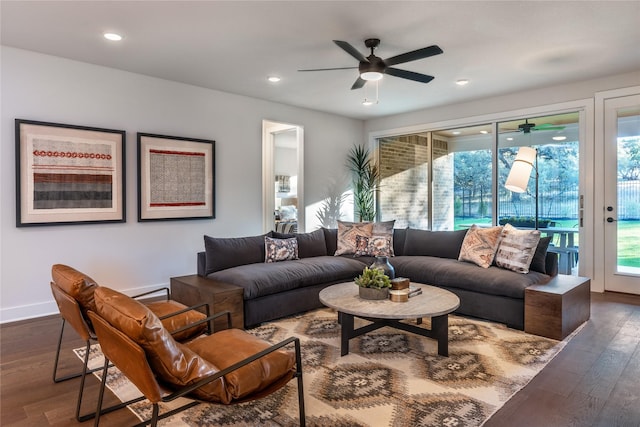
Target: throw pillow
517, 248
347, 232
309, 244
376, 245
280, 249
479, 245
385, 229
539, 261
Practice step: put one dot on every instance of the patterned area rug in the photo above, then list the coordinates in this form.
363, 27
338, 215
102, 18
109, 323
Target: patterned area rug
389, 378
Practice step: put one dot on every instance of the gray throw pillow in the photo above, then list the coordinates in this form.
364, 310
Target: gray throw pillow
223, 252
442, 244
539, 263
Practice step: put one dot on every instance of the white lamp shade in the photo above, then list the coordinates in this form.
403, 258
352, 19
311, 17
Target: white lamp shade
518, 178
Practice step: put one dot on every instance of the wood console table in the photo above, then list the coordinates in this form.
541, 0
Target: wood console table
220, 296
557, 308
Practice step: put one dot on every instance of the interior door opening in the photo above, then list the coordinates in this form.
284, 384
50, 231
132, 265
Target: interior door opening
283, 173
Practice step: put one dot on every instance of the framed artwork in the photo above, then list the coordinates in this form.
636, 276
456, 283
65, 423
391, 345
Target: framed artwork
68, 174
175, 178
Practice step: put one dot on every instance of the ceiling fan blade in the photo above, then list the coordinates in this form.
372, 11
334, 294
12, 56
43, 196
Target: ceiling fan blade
358, 83
351, 50
422, 78
414, 55
330, 69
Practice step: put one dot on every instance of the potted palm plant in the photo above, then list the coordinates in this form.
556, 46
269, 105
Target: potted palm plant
366, 182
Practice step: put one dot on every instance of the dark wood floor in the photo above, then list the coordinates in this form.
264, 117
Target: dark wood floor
594, 381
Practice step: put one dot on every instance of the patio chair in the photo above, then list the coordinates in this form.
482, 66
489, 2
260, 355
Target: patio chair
73, 292
228, 367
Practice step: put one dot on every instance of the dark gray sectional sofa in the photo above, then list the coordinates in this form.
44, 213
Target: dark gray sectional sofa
275, 290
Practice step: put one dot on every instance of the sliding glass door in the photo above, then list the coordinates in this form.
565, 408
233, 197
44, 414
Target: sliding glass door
452, 178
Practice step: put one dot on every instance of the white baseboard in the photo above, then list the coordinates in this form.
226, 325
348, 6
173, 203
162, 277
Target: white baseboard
31, 311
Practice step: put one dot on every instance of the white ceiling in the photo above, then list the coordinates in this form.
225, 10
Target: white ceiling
500, 46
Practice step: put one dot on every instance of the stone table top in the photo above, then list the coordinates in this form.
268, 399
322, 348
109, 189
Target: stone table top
432, 302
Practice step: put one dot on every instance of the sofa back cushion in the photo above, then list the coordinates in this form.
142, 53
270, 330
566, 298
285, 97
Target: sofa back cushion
309, 244
399, 237
222, 253
331, 239
442, 244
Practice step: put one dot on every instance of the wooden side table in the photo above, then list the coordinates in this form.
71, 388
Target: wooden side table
557, 308
220, 296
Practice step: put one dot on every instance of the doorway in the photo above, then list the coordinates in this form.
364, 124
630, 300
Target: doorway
622, 194
282, 177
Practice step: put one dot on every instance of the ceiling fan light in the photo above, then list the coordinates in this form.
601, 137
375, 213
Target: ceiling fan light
371, 76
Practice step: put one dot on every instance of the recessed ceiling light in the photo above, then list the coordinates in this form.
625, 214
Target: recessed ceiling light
274, 79
559, 138
462, 82
456, 132
367, 102
113, 37
510, 138
484, 132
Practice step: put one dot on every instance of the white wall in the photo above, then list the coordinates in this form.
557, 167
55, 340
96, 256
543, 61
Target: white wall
133, 255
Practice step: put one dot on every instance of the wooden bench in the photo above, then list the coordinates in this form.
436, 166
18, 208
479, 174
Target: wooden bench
557, 308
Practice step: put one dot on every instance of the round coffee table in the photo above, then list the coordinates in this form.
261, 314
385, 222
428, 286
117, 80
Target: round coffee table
434, 302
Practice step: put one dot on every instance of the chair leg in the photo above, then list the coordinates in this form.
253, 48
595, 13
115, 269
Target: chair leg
300, 386
99, 411
57, 379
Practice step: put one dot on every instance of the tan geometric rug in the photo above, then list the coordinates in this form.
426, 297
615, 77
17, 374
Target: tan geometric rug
389, 378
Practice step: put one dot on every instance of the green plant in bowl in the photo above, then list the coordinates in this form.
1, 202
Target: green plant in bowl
373, 278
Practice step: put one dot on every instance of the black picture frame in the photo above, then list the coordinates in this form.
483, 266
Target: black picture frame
69, 174
176, 178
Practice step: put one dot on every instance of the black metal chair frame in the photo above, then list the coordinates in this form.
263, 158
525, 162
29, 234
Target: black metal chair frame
156, 416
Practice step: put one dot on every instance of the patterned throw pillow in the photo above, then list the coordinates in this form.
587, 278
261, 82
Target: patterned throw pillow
347, 232
376, 245
517, 248
280, 249
479, 245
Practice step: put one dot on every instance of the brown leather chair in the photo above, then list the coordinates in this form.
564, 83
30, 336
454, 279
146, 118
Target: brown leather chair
230, 366
73, 292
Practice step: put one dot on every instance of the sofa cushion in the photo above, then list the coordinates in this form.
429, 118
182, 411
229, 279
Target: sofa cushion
331, 239
399, 236
480, 245
309, 244
347, 232
443, 244
224, 253
280, 249
516, 248
265, 279
451, 273
538, 263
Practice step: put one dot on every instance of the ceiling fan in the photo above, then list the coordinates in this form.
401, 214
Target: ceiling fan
372, 67
527, 127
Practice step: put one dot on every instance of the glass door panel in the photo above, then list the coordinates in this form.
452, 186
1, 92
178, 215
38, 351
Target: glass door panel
556, 199
622, 194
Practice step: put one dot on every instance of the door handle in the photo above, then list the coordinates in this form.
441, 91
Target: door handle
609, 219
